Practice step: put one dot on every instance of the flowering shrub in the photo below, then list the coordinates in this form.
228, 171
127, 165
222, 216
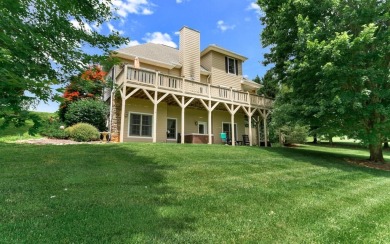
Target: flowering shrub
89, 84
83, 132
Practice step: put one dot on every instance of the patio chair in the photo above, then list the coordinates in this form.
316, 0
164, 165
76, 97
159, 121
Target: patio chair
245, 140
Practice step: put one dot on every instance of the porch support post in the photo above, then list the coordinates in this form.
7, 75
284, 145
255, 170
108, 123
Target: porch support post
264, 113
209, 107
123, 95
249, 112
183, 104
232, 125
155, 103
182, 120
232, 111
265, 132
250, 128
209, 125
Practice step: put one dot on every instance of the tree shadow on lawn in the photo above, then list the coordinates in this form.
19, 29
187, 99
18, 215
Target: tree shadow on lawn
87, 193
338, 160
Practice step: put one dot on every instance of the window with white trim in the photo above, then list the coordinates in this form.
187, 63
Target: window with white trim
140, 125
231, 65
202, 127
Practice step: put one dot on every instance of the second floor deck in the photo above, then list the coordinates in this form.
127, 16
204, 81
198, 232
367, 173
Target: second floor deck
179, 85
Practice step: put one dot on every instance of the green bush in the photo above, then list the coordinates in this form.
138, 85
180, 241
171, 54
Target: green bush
83, 132
294, 134
53, 128
89, 111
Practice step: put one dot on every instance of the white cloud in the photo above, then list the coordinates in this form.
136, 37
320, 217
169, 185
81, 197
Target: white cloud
177, 33
83, 26
133, 43
159, 38
112, 28
255, 7
125, 7
224, 27
181, 1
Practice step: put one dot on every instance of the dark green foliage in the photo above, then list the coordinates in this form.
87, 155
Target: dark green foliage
333, 57
53, 128
83, 132
36, 34
89, 111
270, 84
294, 134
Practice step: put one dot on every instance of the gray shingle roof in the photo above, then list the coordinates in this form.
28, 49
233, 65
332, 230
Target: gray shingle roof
154, 52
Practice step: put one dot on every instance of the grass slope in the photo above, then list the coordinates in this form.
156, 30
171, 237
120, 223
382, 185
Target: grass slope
12, 133
169, 193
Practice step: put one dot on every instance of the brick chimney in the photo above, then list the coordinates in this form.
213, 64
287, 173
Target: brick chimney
189, 49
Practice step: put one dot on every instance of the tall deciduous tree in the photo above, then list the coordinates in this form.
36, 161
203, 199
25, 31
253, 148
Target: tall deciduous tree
41, 45
335, 58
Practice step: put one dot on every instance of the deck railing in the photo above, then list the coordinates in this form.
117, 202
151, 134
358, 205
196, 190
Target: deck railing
168, 82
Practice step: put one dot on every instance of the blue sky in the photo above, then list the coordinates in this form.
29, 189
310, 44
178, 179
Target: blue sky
231, 24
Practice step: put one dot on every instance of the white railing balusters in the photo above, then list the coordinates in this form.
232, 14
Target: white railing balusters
181, 85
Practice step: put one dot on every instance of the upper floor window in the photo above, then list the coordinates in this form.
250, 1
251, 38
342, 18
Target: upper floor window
231, 65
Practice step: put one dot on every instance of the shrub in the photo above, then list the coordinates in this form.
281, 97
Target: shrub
89, 111
294, 134
52, 128
83, 132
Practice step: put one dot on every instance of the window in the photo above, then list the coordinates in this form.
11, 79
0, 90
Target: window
202, 128
171, 128
140, 125
231, 65
227, 128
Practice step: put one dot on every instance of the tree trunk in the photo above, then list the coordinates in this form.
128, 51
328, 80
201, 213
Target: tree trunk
331, 140
386, 144
315, 139
376, 154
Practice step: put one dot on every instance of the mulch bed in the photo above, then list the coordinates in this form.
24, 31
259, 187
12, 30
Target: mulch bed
49, 141
369, 164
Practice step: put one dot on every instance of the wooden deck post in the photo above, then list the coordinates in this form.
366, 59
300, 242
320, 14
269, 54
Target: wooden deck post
155, 104
209, 123
123, 93
265, 131
250, 128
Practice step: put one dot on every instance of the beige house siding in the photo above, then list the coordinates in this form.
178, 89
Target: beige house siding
189, 53
174, 112
219, 76
203, 78
220, 117
207, 60
144, 106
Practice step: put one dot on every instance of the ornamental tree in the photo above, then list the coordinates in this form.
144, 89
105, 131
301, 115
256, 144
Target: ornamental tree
41, 45
334, 56
89, 84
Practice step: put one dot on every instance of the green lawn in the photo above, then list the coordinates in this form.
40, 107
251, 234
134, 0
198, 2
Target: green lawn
172, 193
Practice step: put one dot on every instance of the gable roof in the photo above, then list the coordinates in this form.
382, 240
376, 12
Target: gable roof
159, 54
224, 51
165, 56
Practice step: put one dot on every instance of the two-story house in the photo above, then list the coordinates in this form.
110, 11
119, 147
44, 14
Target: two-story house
183, 95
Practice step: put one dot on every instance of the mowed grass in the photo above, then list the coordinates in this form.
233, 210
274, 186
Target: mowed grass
172, 193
